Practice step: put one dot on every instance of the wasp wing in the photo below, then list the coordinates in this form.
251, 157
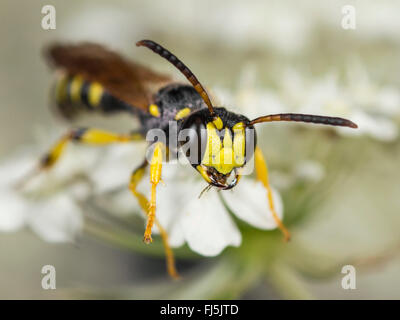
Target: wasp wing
126, 80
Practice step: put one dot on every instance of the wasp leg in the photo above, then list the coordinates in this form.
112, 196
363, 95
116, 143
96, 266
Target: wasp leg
155, 177
262, 175
169, 254
136, 177
82, 135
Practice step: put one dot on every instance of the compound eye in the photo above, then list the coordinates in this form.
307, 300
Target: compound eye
196, 141
251, 141
202, 134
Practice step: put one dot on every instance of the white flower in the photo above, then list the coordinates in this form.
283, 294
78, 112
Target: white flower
309, 170
203, 223
373, 108
50, 206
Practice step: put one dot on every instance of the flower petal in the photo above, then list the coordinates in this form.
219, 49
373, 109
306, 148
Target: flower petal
14, 167
206, 225
12, 211
57, 219
203, 223
13, 207
248, 201
116, 166
380, 128
171, 199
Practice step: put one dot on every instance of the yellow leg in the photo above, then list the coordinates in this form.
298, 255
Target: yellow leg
155, 177
86, 136
169, 254
262, 175
136, 177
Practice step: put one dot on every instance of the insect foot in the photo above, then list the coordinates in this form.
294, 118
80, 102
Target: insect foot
147, 239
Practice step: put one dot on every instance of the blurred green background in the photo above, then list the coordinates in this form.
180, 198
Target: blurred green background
221, 41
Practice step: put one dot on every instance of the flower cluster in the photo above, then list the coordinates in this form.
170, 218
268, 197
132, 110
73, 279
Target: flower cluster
50, 205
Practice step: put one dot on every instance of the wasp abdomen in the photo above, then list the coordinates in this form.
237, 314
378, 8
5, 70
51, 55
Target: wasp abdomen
74, 95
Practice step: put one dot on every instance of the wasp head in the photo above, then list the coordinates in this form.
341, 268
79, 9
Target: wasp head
219, 145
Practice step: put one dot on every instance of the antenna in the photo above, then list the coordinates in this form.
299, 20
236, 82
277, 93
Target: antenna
332, 121
155, 47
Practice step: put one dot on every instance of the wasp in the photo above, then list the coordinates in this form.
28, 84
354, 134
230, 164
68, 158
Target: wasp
98, 80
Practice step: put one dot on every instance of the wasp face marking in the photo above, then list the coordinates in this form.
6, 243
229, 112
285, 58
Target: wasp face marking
224, 154
223, 146
225, 149
218, 123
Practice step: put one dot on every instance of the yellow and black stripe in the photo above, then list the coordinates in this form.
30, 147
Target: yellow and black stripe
73, 94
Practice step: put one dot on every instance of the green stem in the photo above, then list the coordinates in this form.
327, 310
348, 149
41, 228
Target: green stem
287, 282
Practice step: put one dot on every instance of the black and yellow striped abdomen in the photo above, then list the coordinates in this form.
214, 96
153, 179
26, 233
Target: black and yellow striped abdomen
74, 95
